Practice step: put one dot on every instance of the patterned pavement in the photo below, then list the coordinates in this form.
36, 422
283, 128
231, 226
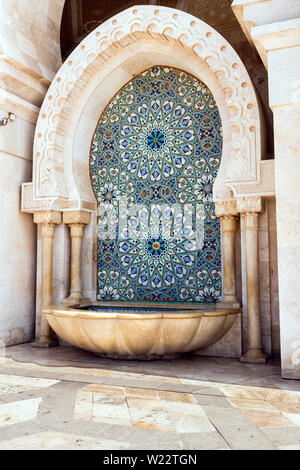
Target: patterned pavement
74, 400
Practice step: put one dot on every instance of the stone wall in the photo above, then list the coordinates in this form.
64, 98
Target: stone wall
30, 57
30, 35
17, 234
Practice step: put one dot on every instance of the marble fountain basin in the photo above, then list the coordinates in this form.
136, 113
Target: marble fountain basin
145, 331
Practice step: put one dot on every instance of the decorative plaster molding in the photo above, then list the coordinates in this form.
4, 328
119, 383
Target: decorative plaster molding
264, 187
249, 204
12, 103
226, 208
31, 205
76, 217
102, 45
47, 217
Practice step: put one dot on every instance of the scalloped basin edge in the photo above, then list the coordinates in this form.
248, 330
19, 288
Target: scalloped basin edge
147, 335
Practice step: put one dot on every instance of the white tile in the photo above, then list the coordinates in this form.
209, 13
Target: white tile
293, 417
17, 384
19, 411
113, 414
188, 418
61, 441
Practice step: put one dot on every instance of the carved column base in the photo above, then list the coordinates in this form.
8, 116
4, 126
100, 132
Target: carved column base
254, 356
45, 343
75, 298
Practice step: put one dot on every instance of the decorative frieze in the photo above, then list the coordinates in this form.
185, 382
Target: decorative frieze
249, 204
47, 217
226, 208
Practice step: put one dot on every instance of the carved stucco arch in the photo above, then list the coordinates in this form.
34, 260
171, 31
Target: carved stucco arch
133, 33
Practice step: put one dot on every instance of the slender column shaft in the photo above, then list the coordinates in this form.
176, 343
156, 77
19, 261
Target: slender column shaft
228, 224
76, 232
76, 220
227, 211
255, 352
47, 221
47, 234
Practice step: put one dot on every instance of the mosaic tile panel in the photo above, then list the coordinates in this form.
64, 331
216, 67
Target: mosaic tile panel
159, 145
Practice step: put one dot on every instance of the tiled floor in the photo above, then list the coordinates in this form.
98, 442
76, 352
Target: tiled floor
65, 398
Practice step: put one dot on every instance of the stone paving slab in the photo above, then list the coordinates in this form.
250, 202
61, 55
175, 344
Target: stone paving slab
60, 404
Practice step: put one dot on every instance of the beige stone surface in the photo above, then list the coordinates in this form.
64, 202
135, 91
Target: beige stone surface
19, 384
17, 249
288, 234
255, 13
273, 279
230, 345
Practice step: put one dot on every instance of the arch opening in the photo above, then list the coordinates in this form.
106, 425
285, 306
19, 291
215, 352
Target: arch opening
130, 34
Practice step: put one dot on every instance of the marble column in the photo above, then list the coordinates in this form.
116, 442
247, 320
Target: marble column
76, 221
227, 212
281, 45
250, 207
47, 221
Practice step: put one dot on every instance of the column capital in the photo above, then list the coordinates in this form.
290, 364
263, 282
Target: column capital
251, 220
226, 208
47, 217
249, 204
76, 230
76, 217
